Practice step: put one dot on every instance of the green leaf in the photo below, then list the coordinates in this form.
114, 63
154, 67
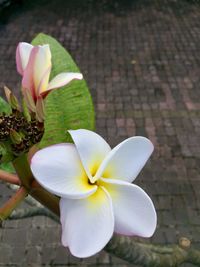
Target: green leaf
4, 106
8, 167
69, 107
6, 157
5, 152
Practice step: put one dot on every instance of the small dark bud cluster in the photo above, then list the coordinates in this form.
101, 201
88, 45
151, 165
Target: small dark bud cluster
19, 132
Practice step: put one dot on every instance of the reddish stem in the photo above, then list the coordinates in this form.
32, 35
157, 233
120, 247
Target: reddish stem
12, 203
9, 178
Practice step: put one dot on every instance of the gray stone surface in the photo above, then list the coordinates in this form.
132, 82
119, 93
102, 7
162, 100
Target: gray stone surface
142, 64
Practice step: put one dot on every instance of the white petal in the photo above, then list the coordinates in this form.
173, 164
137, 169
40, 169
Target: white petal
42, 68
63, 79
92, 149
134, 211
87, 224
43, 85
22, 56
126, 160
59, 170
27, 81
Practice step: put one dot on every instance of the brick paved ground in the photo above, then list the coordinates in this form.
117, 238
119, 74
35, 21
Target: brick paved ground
143, 67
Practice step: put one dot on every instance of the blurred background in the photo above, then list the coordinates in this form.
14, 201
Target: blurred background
141, 60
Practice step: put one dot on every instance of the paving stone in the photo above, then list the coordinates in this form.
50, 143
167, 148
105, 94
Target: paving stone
61, 255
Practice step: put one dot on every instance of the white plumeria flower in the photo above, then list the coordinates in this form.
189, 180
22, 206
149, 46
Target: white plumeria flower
96, 190
34, 64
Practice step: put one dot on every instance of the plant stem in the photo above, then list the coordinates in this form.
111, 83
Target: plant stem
12, 203
9, 178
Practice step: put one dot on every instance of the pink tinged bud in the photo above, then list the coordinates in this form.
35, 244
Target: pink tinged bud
42, 68
42, 87
28, 78
34, 64
22, 56
36, 75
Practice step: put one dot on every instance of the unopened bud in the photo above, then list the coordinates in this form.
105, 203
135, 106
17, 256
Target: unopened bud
40, 109
28, 98
26, 112
12, 100
7, 93
15, 137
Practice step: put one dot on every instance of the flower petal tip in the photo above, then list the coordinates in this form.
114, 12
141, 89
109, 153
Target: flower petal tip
22, 56
79, 76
